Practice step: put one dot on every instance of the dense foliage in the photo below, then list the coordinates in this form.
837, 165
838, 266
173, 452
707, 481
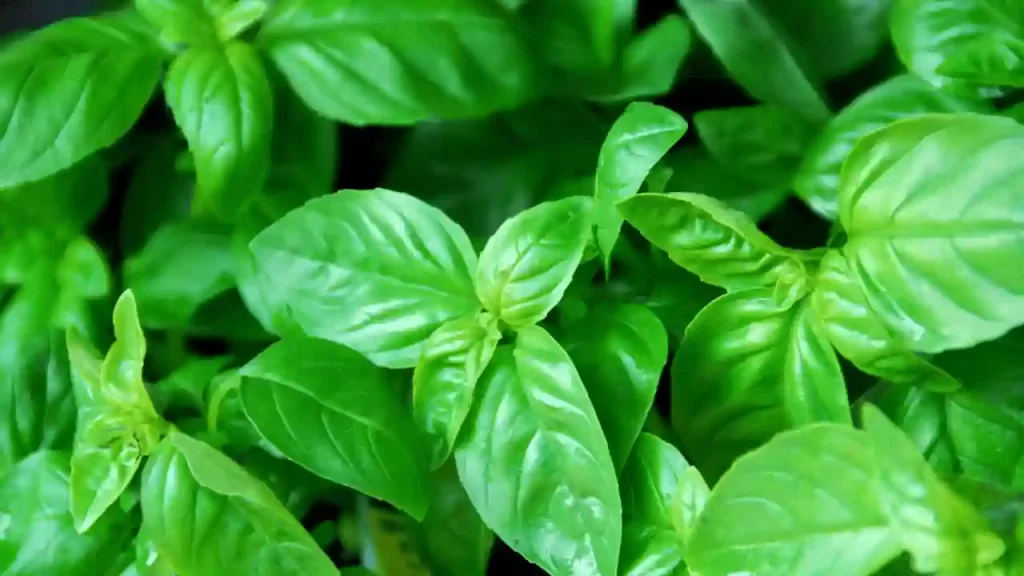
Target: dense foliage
542, 327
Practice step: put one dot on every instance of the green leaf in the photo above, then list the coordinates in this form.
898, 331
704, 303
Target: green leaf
990, 368
190, 490
763, 143
858, 334
457, 58
191, 22
361, 435
452, 539
222, 101
535, 463
375, 270
942, 532
944, 41
38, 536
748, 369
750, 46
635, 143
185, 388
620, 351
528, 263
74, 87
901, 97
959, 434
933, 219
694, 169
677, 296
158, 194
183, 265
719, 244
453, 358
650, 61
578, 36
651, 480
758, 521
117, 424
836, 36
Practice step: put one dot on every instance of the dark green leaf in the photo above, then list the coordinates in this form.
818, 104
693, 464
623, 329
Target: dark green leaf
578, 36
650, 61
635, 143
159, 193
360, 434
453, 358
39, 537
933, 224
694, 169
759, 521
445, 59
901, 97
528, 263
222, 101
452, 539
620, 351
535, 464
756, 55
375, 270
76, 87
748, 369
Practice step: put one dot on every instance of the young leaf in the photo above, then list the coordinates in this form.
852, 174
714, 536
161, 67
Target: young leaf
974, 40
635, 143
901, 97
857, 333
452, 539
456, 58
535, 464
375, 270
117, 424
747, 43
620, 351
528, 263
190, 490
39, 536
76, 87
748, 369
756, 522
942, 532
715, 242
221, 99
933, 219
332, 412
183, 265
651, 481
443, 382
762, 143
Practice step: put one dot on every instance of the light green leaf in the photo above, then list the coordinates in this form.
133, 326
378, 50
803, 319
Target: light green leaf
635, 143
535, 464
442, 385
183, 265
901, 97
650, 61
222, 101
757, 56
117, 424
945, 41
456, 58
528, 263
75, 87
719, 244
758, 522
934, 222
190, 490
375, 270
191, 22
332, 412
762, 143
38, 536
942, 532
620, 351
857, 333
748, 369
452, 539
650, 482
